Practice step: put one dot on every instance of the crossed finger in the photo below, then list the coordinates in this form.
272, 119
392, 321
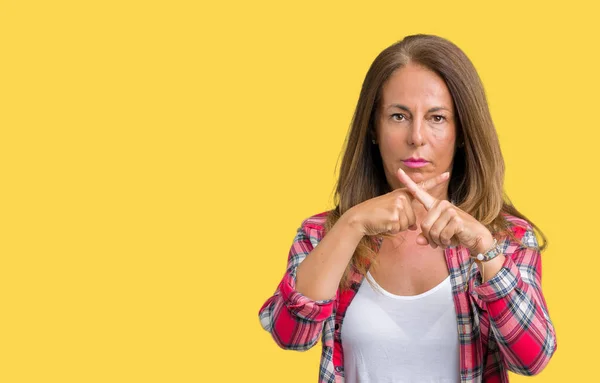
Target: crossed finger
430, 203
418, 191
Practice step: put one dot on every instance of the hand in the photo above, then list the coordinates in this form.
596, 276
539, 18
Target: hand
390, 213
445, 224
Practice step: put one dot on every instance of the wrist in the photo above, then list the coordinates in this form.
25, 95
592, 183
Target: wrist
485, 244
351, 222
490, 268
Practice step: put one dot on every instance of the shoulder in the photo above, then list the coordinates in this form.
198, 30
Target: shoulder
522, 231
518, 226
315, 222
314, 226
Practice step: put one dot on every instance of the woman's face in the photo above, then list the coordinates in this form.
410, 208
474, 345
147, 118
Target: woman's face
415, 127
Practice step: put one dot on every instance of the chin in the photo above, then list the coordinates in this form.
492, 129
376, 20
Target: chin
419, 175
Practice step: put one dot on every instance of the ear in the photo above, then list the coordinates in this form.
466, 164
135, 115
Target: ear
373, 128
373, 136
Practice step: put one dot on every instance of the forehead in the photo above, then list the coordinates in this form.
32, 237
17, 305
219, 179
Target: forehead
414, 85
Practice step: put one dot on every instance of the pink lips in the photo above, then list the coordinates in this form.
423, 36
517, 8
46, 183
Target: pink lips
415, 162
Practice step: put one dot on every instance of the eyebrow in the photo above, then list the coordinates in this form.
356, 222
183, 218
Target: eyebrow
431, 110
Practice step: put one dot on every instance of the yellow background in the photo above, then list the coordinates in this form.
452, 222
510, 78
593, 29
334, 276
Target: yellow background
156, 158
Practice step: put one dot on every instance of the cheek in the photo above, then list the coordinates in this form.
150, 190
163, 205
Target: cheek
443, 136
390, 144
386, 150
443, 142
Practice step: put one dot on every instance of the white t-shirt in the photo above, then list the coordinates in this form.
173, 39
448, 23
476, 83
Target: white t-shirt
392, 338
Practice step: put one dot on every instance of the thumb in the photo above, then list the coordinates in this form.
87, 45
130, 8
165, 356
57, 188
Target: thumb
421, 240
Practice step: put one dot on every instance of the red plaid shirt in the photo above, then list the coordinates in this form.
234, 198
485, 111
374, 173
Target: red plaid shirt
503, 324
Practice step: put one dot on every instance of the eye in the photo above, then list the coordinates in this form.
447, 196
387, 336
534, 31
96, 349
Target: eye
398, 117
439, 118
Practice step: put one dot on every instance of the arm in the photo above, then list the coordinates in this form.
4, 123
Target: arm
518, 314
294, 315
294, 320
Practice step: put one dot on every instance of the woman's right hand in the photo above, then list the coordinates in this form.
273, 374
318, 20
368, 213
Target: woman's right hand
390, 213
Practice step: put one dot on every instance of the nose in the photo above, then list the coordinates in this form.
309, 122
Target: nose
416, 133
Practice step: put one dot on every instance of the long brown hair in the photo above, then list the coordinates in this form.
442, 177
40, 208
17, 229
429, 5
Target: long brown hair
476, 184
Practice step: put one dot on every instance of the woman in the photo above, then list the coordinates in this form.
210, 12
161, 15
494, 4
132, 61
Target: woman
453, 270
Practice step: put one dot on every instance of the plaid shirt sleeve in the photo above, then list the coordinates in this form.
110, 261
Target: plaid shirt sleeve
518, 313
294, 320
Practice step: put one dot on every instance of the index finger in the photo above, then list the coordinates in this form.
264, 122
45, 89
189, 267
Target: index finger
425, 198
435, 181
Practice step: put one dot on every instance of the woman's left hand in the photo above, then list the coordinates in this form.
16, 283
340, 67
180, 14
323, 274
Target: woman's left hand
446, 224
